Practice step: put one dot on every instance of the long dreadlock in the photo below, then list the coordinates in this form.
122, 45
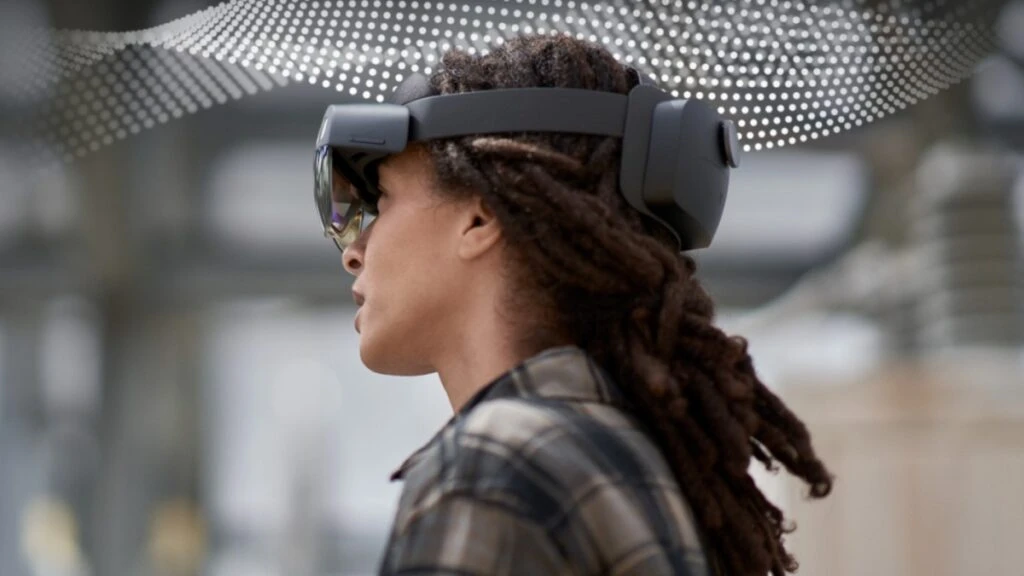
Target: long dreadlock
594, 272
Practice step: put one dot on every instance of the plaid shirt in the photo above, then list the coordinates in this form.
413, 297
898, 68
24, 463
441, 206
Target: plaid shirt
543, 472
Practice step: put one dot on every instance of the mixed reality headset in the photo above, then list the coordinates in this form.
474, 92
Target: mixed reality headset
676, 153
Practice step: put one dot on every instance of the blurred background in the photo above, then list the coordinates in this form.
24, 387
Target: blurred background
181, 391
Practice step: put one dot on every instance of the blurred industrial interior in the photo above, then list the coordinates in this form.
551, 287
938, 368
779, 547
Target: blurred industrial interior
180, 386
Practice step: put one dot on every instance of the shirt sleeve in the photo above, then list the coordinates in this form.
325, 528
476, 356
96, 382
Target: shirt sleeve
465, 536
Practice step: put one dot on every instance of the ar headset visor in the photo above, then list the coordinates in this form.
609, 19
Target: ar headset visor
676, 154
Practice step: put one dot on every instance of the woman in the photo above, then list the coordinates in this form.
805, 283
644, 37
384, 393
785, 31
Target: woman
602, 424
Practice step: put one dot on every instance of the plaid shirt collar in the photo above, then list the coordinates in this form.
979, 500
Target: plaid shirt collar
565, 373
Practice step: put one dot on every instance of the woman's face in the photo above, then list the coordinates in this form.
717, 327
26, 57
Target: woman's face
407, 269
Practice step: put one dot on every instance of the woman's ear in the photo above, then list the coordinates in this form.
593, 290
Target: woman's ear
480, 229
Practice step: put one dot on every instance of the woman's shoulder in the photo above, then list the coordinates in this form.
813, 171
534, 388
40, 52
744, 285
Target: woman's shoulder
569, 443
578, 467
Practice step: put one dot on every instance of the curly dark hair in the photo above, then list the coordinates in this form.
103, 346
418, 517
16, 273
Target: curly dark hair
587, 269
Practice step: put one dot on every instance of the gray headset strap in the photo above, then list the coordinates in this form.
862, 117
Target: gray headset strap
521, 110
518, 110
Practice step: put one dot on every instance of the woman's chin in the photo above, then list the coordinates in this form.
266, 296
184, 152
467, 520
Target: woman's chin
390, 360
367, 352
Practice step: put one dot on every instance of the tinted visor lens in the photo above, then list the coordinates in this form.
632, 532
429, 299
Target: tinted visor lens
342, 213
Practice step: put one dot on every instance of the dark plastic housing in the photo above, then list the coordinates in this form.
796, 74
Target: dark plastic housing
687, 176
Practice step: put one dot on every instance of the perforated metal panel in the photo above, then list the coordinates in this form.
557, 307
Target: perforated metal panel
786, 71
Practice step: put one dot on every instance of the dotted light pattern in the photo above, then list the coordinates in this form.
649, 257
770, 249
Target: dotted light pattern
785, 71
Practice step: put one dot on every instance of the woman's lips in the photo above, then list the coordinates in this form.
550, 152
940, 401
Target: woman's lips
358, 297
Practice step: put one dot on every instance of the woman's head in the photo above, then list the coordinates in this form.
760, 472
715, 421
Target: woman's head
568, 260
425, 268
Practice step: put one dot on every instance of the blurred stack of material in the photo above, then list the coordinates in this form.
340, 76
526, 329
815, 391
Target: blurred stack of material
967, 243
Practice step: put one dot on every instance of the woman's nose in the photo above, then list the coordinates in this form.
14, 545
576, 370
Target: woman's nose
352, 259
